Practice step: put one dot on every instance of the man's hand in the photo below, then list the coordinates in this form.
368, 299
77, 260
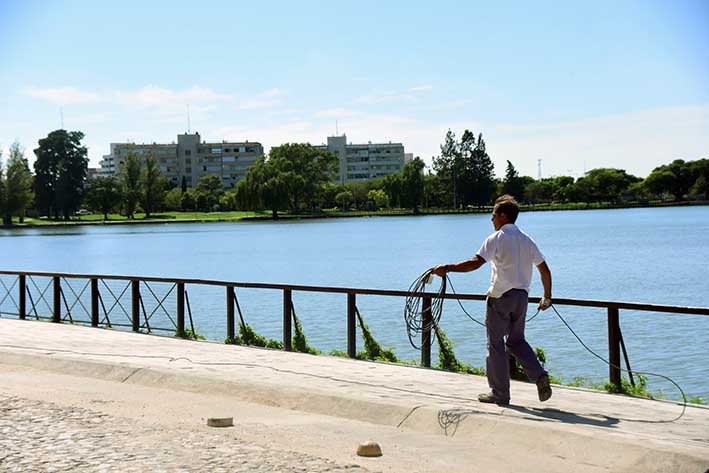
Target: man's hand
545, 303
440, 270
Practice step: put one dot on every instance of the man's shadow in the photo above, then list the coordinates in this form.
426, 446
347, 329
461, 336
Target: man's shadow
450, 419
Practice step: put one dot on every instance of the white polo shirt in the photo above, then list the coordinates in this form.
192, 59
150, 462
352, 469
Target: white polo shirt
511, 252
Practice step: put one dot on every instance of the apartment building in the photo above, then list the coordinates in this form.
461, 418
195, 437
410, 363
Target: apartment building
189, 157
359, 162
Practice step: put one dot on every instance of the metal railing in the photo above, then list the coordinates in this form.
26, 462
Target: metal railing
61, 309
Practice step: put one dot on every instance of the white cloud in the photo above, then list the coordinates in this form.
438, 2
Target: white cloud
63, 95
421, 88
157, 97
267, 99
275, 92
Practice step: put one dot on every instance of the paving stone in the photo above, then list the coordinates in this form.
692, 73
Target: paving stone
46, 437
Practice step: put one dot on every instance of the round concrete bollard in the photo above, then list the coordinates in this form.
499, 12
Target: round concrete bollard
220, 421
370, 448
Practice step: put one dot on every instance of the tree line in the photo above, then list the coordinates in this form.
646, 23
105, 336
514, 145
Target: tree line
299, 178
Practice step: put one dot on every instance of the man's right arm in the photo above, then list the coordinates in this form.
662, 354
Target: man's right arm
545, 274
463, 267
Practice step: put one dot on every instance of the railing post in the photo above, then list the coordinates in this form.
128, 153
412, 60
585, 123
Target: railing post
180, 309
287, 309
426, 332
230, 332
351, 325
94, 302
22, 283
614, 345
57, 315
135, 290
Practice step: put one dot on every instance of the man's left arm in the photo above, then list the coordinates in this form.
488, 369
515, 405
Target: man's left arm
545, 274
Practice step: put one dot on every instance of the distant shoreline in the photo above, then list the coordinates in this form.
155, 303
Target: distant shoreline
210, 217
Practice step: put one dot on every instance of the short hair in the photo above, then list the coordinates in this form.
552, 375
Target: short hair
506, 204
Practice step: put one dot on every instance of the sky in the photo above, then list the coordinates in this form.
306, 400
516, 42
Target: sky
577, 85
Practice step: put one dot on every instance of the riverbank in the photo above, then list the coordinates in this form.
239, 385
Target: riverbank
236, 216
321, 407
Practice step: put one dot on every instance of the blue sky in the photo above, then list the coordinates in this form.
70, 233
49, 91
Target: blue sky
576, 84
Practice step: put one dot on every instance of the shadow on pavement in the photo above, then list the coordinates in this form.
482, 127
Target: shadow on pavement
450, 420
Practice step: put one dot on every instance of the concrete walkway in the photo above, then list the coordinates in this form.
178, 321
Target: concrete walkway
417, 412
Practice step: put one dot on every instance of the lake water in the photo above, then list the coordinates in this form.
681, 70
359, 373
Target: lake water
658, 255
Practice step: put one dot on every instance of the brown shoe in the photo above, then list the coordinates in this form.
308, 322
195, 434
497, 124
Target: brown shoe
488, 398
543, 388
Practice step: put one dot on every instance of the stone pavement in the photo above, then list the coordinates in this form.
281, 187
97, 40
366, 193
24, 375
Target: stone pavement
42, 436
436, 411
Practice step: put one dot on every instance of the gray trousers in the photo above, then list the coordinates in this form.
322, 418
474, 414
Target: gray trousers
505, 319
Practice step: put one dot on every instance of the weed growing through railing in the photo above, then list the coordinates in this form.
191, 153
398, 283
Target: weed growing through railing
247, 336
372, 349
517, 372
640, 388
447, 359
189, 334
300, 343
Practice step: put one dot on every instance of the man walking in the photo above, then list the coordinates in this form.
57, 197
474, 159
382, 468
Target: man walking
511, 253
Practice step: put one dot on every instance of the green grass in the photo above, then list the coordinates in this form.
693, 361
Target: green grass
154, 218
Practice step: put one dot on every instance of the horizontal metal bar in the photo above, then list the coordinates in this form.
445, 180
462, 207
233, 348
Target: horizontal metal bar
372, 292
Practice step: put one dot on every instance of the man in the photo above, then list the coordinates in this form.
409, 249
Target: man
511, 253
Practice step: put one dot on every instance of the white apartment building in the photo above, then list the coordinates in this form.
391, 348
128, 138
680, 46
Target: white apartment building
190, 158
359, 162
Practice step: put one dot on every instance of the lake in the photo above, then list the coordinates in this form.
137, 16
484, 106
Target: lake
657, 255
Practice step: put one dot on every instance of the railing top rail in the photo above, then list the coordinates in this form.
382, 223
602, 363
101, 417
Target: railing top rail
365, 291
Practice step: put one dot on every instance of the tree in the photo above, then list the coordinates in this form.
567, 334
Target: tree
434, 192
304, 168
478, 172
393, 186
379, 197
608, 184
344, 199
183, 184
104, 195
188, 201
675, 178
152, 187
447, 166
18, 185
209, 189
130, 185
359, 192
700, 169
293, 175
412, 184
539, 191
60, 172
512, 184
173, 199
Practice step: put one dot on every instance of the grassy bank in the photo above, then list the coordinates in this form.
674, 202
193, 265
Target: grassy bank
233, 216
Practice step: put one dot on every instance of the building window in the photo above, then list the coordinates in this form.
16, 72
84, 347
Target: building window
188, 152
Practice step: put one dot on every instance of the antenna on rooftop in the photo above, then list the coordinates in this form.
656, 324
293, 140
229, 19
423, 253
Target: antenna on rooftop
188, 119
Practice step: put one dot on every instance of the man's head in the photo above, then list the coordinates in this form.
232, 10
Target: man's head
505, 211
